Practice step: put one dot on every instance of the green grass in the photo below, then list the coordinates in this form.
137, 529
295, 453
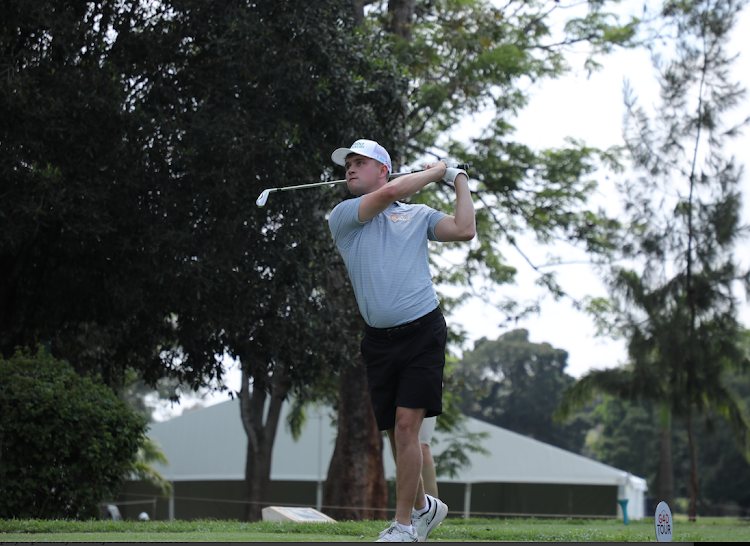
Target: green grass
452, 530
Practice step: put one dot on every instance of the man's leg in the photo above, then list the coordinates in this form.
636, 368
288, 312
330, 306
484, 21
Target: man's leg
407, 452
429, 477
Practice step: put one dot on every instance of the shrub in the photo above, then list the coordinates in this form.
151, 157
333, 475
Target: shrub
65, 441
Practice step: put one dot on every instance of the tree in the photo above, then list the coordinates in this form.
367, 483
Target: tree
65, 169
640, 381
141, 467
724, 479
133, 239
135, 137
321, 86
356, 482
469, 57
65, 442
452, 423
518, 385
145, 399
679, 314
624, 430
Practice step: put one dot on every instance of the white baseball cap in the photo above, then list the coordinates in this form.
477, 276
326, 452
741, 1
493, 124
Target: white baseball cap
367, 148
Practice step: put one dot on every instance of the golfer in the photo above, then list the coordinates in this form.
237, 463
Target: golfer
384, 245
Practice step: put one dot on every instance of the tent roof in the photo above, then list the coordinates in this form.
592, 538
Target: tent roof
210, 444
520, 459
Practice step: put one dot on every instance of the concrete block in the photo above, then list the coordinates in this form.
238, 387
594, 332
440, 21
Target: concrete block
295, 514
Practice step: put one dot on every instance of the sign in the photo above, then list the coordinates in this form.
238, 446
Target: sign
297, 515
663, 523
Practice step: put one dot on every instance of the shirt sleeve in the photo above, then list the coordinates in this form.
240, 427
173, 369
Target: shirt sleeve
344, 220
434, 217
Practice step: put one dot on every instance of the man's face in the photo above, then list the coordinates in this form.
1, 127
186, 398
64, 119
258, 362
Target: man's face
364, 174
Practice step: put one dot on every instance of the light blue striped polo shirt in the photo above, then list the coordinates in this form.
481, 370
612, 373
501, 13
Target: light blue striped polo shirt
387, 260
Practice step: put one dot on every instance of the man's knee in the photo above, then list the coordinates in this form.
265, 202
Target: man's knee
410, 417
408, 422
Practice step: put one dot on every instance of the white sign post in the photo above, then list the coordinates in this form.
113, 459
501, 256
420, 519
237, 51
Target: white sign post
663, 523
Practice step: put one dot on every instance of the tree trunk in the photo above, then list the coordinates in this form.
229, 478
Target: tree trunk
356, 486
402, 14
260, 436
358, 7
693, 469
665, 473
257, 482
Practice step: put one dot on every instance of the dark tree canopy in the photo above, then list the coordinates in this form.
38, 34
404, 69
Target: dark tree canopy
134, 140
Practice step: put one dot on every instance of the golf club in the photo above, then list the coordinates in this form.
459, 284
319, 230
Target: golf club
263, 197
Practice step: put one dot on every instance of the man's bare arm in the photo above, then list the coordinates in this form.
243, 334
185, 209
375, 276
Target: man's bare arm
462, 226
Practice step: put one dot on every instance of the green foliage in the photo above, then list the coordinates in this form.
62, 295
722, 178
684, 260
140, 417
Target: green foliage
516, 384
626, 436
65, 442
724, 477
132, 238
628, 383
65, 168
142, 469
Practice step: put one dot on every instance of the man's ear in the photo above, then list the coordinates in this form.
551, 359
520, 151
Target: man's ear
384, 171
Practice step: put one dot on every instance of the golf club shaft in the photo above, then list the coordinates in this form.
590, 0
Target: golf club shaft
263, 197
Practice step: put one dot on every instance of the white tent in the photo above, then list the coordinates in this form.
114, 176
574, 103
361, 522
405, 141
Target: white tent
519, 459
195, 441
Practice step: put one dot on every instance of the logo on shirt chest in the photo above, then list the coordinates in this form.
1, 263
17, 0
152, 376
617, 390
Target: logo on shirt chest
400, 217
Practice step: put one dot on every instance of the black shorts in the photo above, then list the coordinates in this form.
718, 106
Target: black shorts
405, 367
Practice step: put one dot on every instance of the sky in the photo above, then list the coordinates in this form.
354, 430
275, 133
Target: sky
588, 107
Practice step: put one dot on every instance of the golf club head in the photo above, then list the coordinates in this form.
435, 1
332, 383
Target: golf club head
262, 198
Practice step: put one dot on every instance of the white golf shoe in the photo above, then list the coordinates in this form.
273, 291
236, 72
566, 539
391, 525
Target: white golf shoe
426, 523
394, 533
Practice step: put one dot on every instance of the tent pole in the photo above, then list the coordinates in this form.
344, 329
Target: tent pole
467, 501
171, 503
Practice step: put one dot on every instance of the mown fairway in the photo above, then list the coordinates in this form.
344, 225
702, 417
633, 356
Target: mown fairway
452, 530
